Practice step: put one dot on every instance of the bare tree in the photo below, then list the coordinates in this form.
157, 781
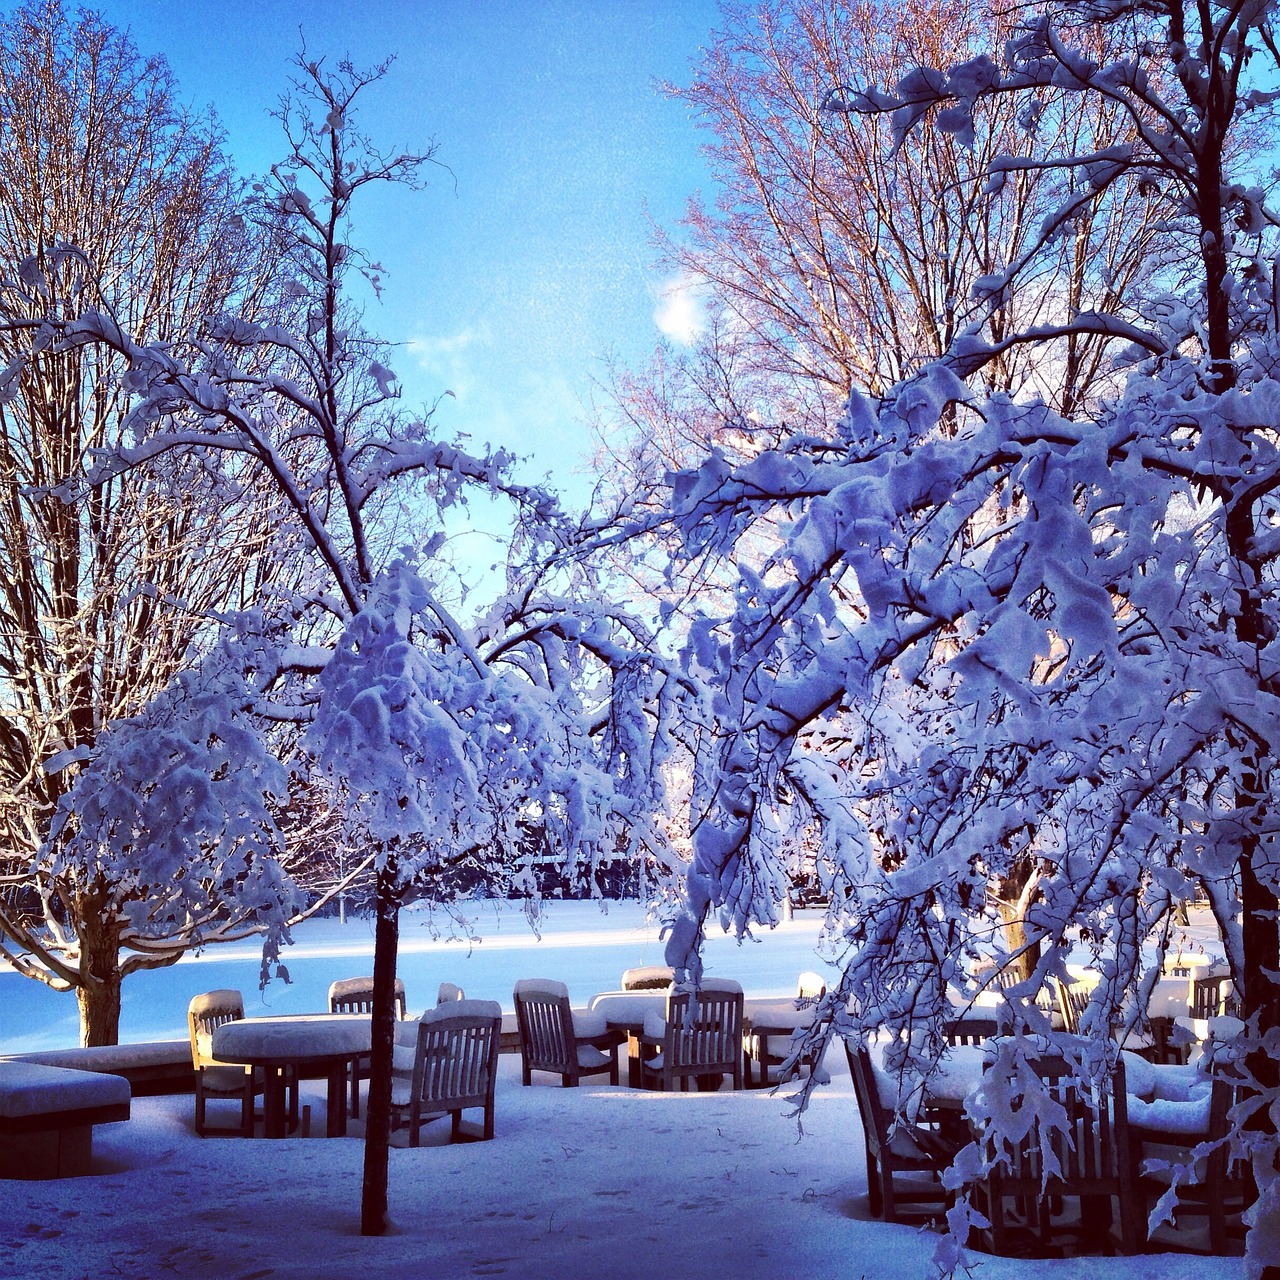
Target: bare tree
833, 260
104, 592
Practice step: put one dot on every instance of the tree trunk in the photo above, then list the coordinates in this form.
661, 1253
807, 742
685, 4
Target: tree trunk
1011, 902
373, 1212
1260, 1000
99, 991
100, 1011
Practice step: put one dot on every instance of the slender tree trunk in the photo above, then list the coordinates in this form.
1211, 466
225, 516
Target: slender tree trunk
373, 1213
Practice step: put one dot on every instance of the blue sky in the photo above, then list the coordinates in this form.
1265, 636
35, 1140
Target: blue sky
518, 270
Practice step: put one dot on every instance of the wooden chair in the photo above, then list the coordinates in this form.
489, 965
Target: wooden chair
1219, 1187
1093, 1155
969, 1030
810, 988
895, 1146
355, 995
215, 1079
553, 1038
648, 977
700, 1036
1211, 997
455, 1067
1073, 998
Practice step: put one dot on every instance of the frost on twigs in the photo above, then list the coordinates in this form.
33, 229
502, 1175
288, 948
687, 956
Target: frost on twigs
176, 814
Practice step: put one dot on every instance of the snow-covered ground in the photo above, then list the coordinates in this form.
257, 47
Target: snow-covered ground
591, 1182
598, 1181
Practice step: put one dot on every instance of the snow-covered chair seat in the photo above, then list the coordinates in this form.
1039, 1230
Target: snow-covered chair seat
1181, 1132
454, 1065
555, 1038
355, 995
47, 1116
699, 1035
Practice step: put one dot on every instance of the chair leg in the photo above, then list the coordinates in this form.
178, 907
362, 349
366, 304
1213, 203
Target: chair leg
886, 1194
488, 1120
455, 1127
873, 1186
995, 1215
355, 1087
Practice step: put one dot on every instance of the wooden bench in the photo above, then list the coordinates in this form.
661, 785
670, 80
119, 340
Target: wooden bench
160, 1066
47, 1116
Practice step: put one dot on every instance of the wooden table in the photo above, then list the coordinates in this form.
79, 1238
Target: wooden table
626, 1011
315, 1045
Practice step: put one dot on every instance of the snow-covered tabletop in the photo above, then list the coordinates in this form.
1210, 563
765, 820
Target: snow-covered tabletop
1170, 997
958, 1074
776, 1016
293, 1038
629, 1009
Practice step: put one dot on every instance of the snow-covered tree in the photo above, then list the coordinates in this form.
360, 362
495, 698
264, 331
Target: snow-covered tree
447, 737
1042, 644
104, 594
832, 261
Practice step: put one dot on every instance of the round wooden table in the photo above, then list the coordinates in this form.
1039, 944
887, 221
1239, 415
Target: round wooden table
312, 1045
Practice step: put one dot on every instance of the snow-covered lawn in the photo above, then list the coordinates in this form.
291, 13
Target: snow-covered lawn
594, 1182
598, 1181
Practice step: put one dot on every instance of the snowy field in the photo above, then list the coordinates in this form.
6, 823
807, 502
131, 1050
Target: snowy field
579, 945
599, 1181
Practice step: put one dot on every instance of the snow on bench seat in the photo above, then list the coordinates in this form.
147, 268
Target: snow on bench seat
158, 1066
47, 1116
